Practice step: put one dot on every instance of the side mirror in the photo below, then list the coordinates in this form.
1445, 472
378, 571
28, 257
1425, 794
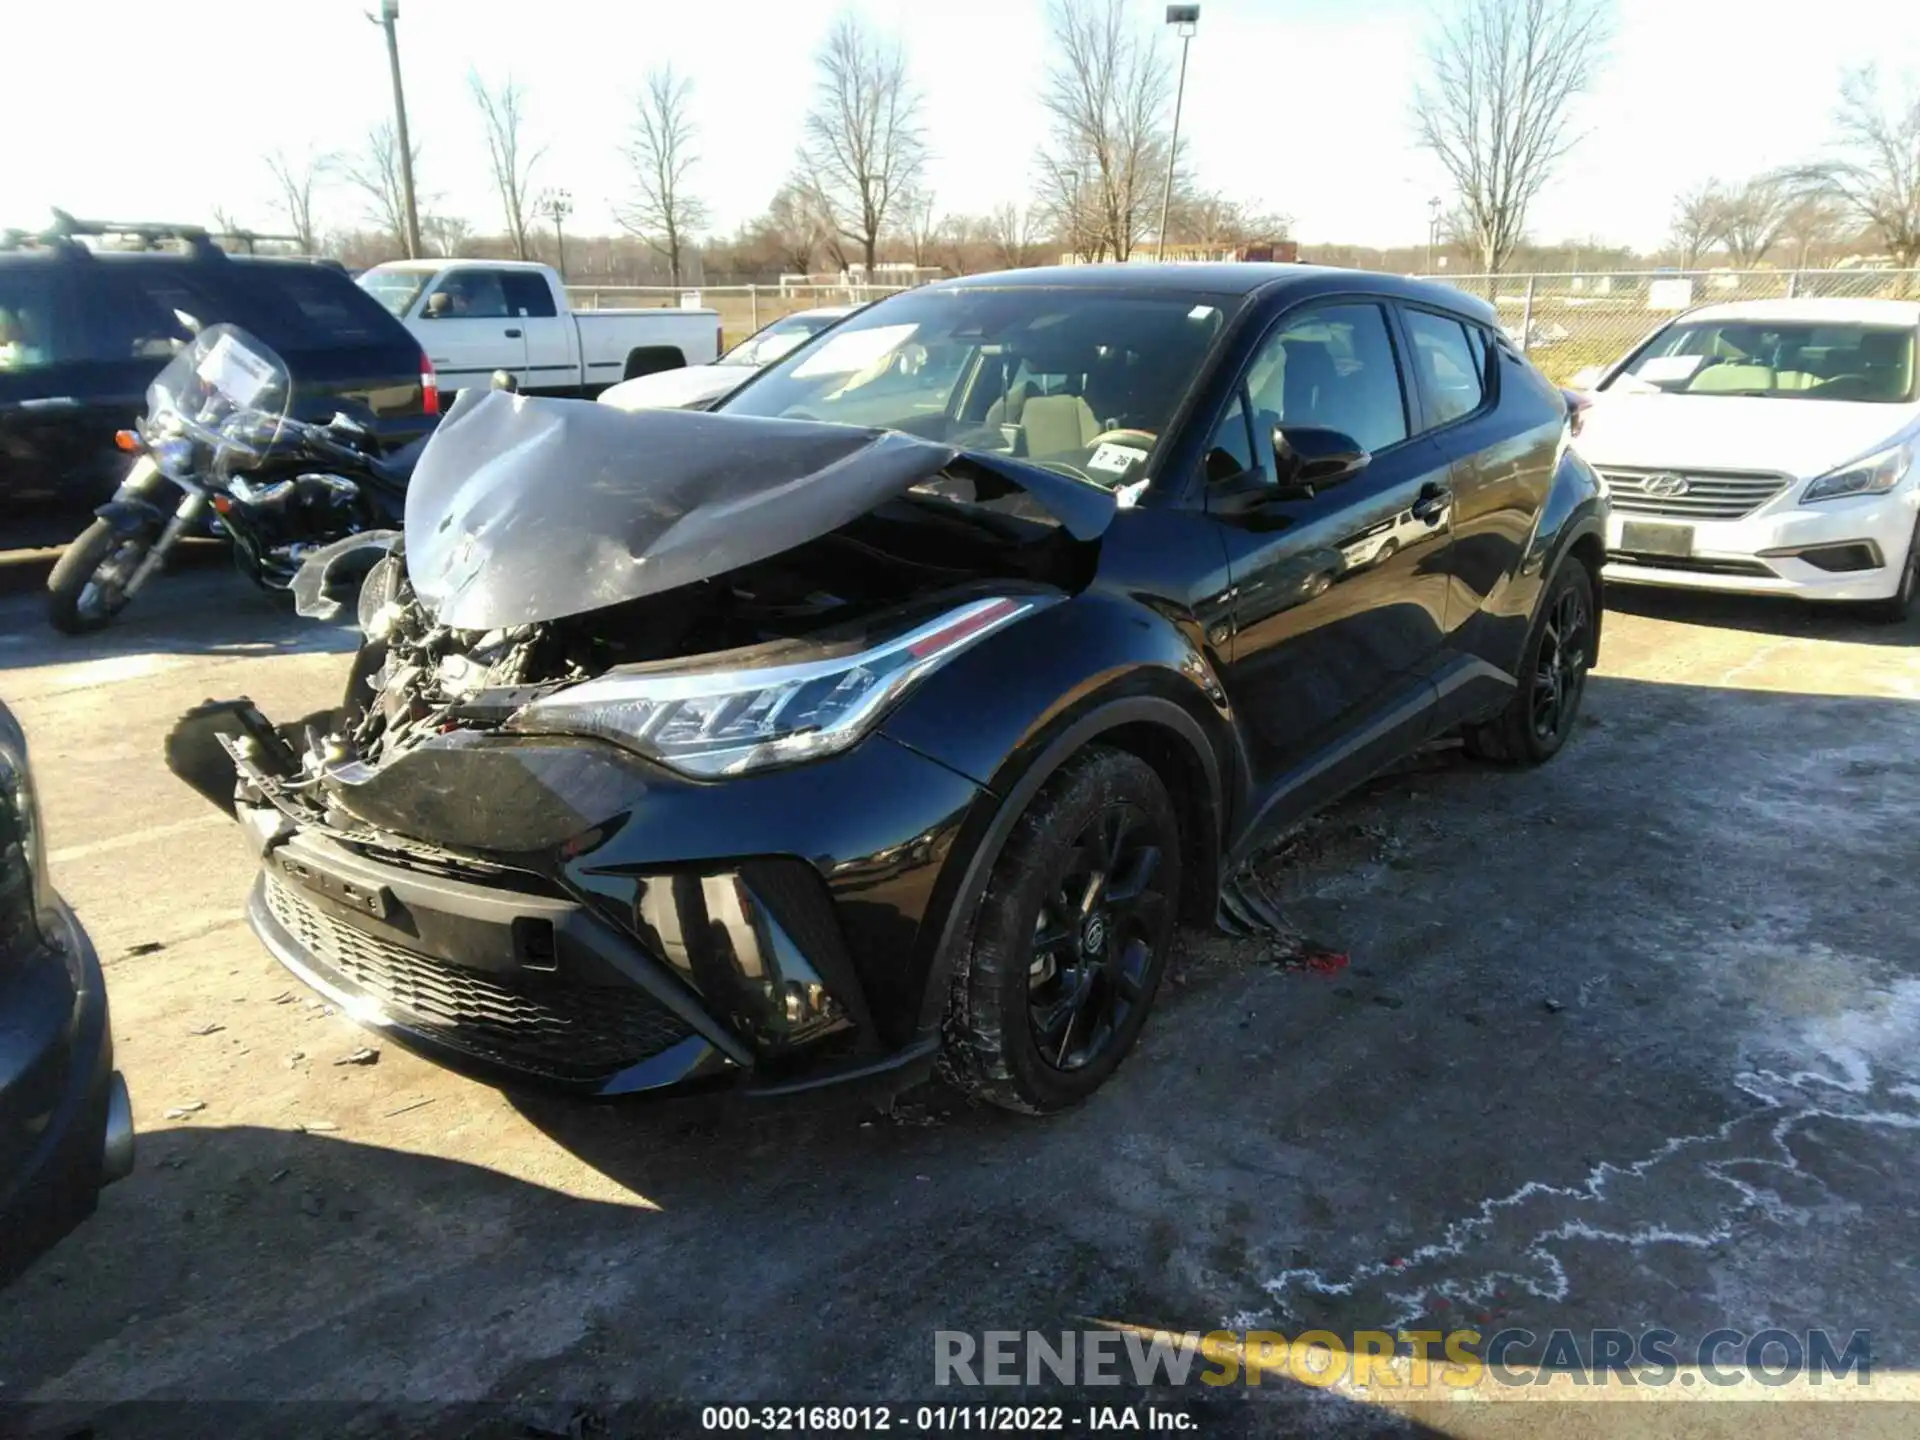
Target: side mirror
505, 380
438, 305
1309, 458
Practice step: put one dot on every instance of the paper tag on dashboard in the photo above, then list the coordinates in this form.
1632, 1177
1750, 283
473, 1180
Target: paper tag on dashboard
1116, 459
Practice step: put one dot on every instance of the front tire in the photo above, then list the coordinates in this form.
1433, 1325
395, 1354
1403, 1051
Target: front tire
1071, 938
1553, 676
79, 597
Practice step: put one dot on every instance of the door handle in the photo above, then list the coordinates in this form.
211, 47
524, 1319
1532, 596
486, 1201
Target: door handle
513, 334
1432, 502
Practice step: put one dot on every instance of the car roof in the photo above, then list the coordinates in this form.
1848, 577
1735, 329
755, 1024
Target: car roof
1835, 311
436, 265
1223, 278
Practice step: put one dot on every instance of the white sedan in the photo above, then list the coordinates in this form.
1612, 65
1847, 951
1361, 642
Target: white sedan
1767, 447
698, 384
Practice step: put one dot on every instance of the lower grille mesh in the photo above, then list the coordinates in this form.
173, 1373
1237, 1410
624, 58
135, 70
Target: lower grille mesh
555, 1030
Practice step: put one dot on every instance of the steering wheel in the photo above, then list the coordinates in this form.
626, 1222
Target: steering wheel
1139, 439
1072, 471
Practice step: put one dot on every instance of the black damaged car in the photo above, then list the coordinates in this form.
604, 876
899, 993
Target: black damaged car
898, 709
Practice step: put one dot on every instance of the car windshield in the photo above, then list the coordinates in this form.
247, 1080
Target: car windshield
768, 345
395, 289
1080, 380
1778, 359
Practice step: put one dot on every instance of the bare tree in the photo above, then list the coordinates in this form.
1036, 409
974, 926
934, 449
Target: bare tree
503, 112
793, 228
662, 211
1106, 94
1755, 212
1216, 222
1699, 221
1012, 235
863, 147
375, 173
295, 182
448, 234
919, 223
1875, 173
1814, 220
1496, 110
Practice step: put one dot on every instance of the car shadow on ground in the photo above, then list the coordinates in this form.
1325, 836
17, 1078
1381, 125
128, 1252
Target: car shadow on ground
1760, 614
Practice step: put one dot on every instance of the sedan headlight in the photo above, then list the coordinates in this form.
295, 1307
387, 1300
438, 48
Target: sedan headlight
709, 722
1875, 475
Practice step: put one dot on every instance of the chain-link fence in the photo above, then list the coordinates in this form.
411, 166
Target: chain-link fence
743, 308
1566, 323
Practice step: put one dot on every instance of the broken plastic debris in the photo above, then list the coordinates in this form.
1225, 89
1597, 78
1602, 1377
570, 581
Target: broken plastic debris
365, 1055
191, 1107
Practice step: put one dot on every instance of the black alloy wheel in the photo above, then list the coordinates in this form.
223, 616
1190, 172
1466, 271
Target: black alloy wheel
1071, 938
1560, 666
1093, 939
1545, 705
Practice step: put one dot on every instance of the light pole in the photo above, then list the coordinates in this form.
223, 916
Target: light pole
1185, 19
1433, 230
390, 12
557, 205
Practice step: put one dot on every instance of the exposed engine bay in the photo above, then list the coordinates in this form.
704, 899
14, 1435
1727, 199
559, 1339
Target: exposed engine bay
416, 678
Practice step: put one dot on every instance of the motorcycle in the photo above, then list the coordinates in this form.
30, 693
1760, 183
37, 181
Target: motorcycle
217, 427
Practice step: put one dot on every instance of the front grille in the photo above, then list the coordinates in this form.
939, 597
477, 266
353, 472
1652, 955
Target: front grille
544, 1027
1709, 494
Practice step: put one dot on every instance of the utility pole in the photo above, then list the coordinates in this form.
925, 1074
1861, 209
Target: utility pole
558, 205
1433, 230
390, 12
1185, 19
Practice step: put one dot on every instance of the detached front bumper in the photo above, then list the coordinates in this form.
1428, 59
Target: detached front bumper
560, 913
1840, 550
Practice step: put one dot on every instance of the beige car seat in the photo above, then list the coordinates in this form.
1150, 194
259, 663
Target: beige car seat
1057, 424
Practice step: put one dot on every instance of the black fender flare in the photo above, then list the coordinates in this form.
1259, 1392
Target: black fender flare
1010, 802
131, 516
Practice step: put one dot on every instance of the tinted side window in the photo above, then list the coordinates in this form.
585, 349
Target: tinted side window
311, 304
527, 294
473, 295
35, 330
1451, 362
1230, 451
133, 312
1331, 366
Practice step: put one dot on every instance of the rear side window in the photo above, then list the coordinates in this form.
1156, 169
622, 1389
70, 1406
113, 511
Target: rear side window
136, 312
470, 295
314, 306
1451, 360
35, 329
528, 294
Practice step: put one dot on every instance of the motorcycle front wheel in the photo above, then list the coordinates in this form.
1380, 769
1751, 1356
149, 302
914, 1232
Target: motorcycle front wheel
88, 586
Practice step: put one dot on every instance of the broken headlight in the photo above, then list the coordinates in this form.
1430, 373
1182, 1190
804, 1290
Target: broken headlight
710, 723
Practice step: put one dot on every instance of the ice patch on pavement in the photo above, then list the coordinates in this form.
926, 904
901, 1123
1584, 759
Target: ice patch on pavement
1852, 1067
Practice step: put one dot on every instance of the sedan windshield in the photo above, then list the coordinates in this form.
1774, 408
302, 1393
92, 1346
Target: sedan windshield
395, 289
1079, 380
768, 345
1786, 360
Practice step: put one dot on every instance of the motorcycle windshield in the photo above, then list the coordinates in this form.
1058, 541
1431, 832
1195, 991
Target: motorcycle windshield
220, 403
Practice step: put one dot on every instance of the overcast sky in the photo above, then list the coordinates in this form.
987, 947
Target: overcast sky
162, 109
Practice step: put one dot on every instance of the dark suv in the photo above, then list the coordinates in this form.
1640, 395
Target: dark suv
899, 706
83, 331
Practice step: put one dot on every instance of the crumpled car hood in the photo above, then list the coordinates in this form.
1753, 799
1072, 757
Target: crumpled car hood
524, 509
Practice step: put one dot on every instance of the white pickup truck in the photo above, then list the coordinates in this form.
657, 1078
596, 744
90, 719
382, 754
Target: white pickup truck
474, 317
